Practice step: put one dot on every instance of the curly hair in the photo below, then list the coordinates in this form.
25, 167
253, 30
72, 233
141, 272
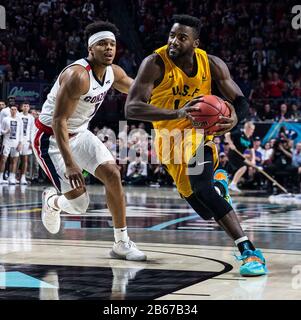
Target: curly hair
189, 21
98, 26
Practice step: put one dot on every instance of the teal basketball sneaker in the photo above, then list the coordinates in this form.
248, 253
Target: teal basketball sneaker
221, 179
253, 263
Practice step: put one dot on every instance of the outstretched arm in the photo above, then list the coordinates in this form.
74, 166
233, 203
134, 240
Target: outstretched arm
150, 73
122, 81
231, 91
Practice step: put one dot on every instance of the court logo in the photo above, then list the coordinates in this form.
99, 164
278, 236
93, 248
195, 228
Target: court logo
2, 18
296, 281
296, 21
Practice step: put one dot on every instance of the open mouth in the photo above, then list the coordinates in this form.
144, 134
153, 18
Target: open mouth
108, 55
173, 50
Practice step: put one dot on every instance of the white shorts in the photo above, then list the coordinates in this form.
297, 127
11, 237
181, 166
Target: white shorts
8, 150
26, 149
87, 150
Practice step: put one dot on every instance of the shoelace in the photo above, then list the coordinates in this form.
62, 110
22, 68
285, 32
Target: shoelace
253, 257
129, 244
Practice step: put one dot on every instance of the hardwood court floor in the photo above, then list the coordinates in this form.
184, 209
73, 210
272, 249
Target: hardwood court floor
188, 258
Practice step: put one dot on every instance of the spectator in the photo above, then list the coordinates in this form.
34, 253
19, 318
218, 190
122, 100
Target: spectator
267, 113
137, 172
284, 114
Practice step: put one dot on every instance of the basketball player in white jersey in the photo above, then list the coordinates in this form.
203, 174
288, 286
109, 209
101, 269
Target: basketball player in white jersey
11, 128
64, 146
28, 123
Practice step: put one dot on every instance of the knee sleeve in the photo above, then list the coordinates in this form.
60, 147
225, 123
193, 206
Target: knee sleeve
203, 187
78, 205
199, 207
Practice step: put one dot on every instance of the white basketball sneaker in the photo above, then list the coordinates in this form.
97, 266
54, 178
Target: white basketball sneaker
233, 187
51, 218
2, 181
127, 251
12, 181
23, 181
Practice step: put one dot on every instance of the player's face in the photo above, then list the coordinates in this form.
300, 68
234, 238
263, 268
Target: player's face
181, 41
104, 51
13, 111
25, 108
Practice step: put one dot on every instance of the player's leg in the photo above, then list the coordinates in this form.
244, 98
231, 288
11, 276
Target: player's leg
94, 157
202, 185
239, 169
3, 159
61, 197
24, 154
14, 158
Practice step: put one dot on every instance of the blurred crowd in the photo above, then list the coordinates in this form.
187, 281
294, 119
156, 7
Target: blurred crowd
254, 38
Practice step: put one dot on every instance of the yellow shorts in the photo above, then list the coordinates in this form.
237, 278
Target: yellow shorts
184, 150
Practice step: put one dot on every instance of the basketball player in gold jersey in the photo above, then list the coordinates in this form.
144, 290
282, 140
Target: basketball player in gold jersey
168, 84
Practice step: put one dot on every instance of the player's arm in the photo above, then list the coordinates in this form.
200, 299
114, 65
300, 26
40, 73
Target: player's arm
73, 84
122, 81
231, 91
150, 73
20, 133
5, 128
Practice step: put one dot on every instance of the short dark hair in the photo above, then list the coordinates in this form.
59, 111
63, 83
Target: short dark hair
100, 26
189, 21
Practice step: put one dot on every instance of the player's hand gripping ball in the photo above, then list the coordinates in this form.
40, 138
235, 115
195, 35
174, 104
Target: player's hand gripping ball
209, 110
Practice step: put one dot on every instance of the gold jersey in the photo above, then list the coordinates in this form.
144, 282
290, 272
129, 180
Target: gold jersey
176, 140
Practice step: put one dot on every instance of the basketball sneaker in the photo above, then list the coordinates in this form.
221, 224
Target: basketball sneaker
51, 218
221, 180
127, 251
12, 181
233, 187
2, 181
23, 181
253, 263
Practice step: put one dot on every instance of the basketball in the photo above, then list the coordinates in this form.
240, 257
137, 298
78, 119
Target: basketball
209, 111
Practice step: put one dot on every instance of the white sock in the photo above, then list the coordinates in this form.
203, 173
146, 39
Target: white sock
121, 234
12, 175
23, 176
242, 239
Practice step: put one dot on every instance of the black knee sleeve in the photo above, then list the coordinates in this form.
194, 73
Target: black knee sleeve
203, 188
199, 208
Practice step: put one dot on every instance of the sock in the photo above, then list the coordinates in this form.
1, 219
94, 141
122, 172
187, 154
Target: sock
12, 175
121, 234
23, 176
243, 244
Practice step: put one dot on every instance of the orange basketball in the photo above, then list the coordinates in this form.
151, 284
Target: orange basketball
208, 114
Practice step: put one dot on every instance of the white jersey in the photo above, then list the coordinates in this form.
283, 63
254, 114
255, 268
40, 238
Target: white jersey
15, 133
88, 103
28, 122
5, 113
